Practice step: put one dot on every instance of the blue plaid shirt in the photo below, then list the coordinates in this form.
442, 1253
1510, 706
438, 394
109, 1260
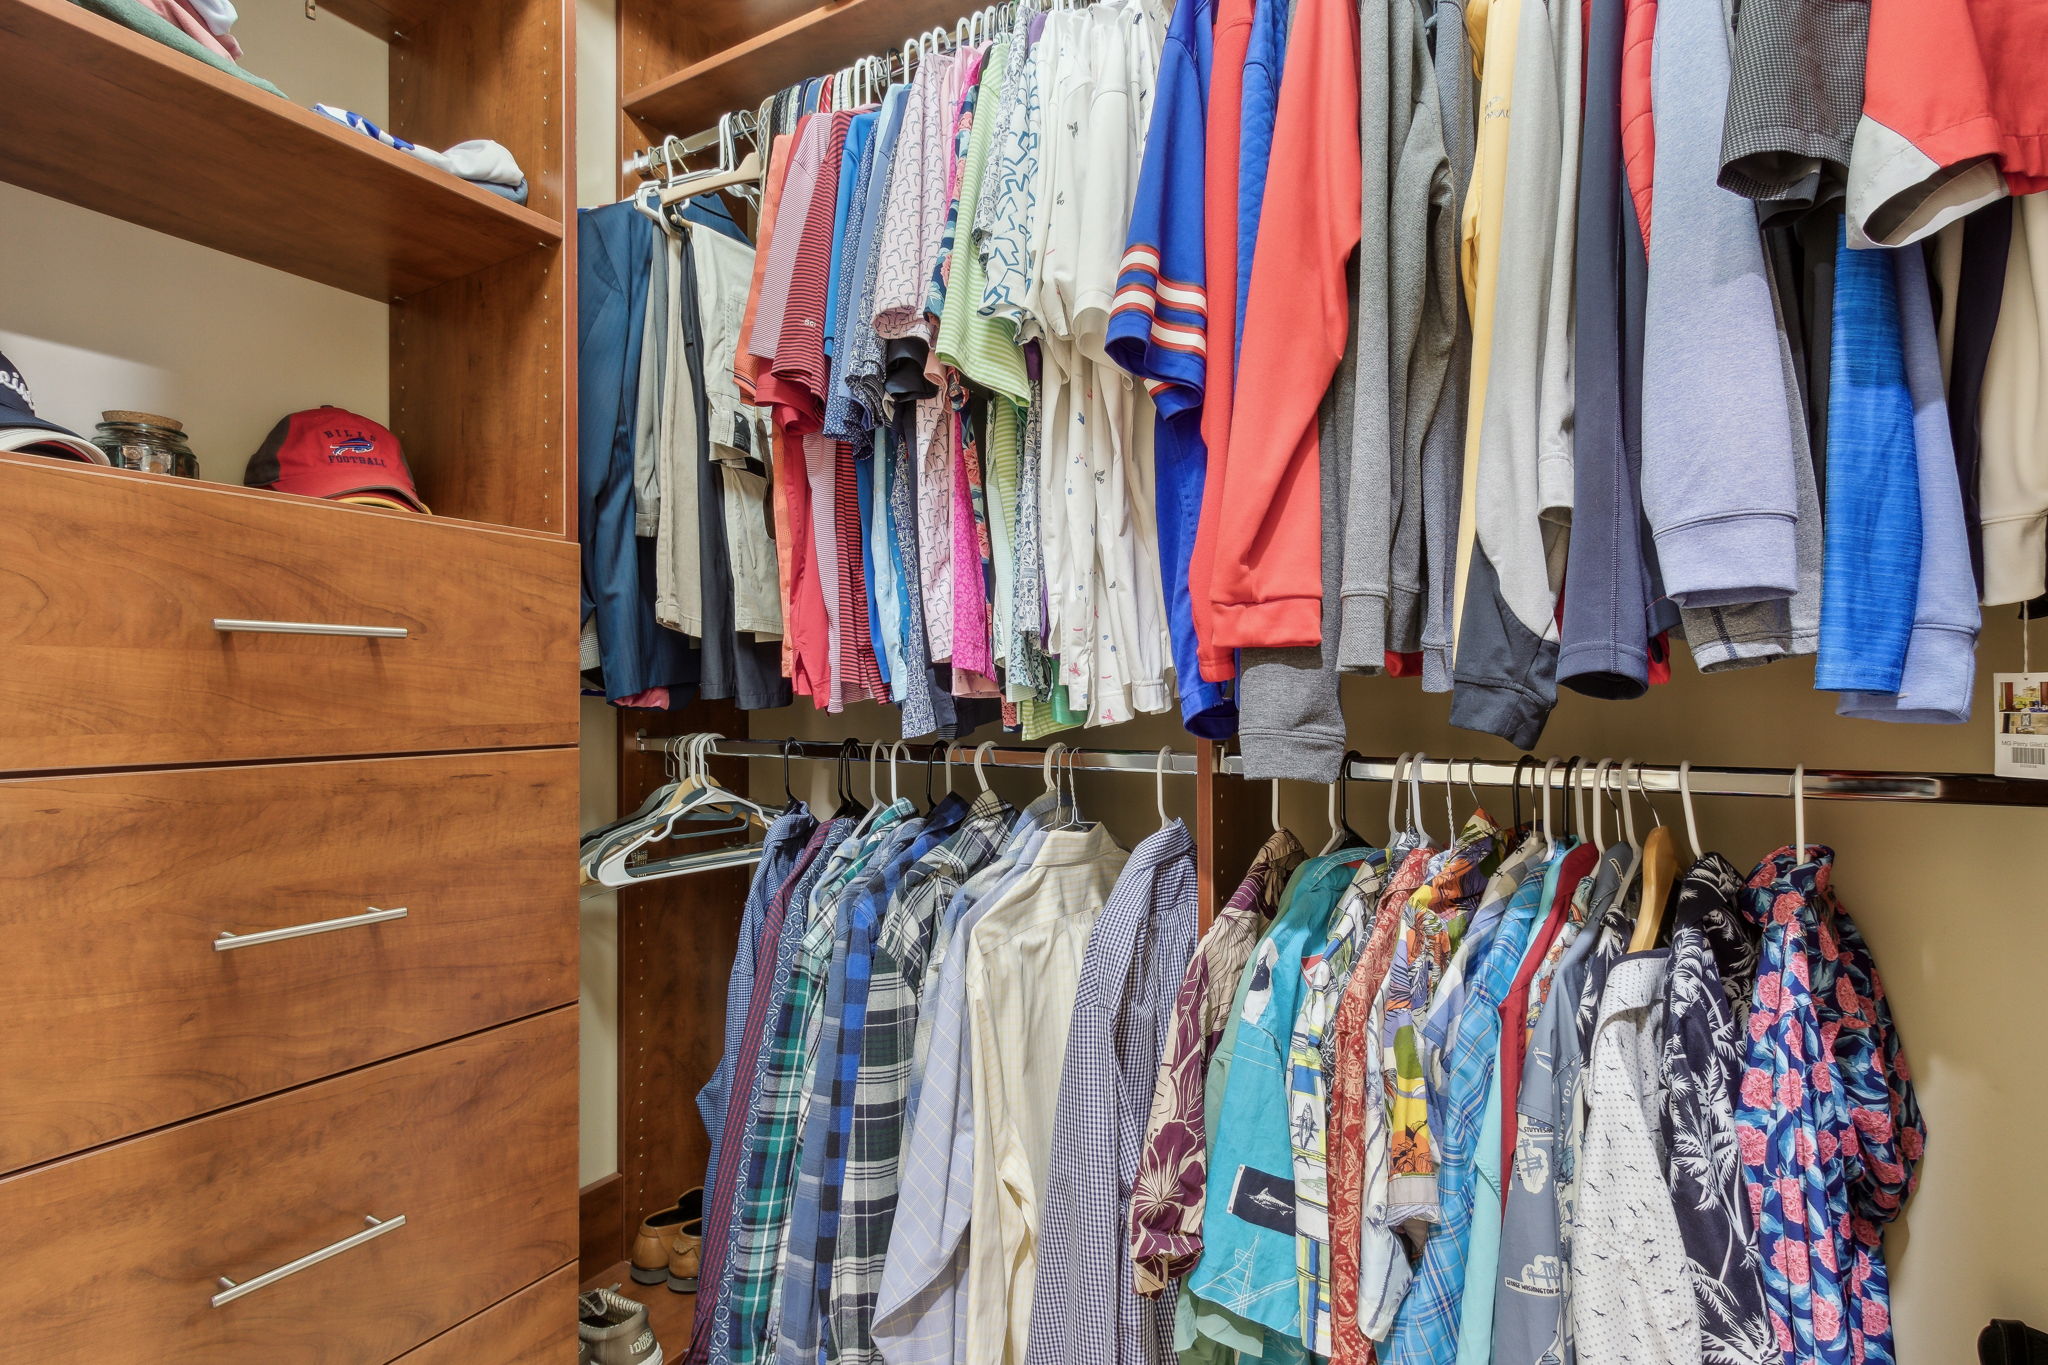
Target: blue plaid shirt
1426, 1332
835, 1065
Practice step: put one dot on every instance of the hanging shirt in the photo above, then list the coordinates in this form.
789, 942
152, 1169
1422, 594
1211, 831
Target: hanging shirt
1085, 1307
1827, 1293
1023, 963
1632, 1294
736, 1329
921, 1302
1713, 960
1250, 1224
1324, 970
1427, 1326
1167, 1195
1532, 1317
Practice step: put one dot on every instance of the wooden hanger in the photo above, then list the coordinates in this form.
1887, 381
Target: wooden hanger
1660, 869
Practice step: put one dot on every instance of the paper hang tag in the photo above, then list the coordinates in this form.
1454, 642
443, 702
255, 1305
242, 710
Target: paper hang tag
2020, 722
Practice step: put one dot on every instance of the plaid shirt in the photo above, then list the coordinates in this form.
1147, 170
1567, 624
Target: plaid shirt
740, 1313
1086, 1309
867, 1198
1426, 1330
781, 929
794, 1315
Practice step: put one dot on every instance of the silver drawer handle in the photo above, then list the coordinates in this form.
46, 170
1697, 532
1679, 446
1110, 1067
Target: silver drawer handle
325, 926
230, 1291
225, 625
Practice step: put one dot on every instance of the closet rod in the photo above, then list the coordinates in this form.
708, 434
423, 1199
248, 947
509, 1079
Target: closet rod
1951, 789
1108, 760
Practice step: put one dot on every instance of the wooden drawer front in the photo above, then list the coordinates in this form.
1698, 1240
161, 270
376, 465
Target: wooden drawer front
109, 588
120, 1013
473, 1143
536, 1326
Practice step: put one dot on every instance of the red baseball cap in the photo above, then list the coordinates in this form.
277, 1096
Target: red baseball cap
330, 452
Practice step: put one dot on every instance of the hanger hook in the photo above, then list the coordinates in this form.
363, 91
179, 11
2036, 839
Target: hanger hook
1599, 791
1052, 753
946, 776
788, 792
1159, 781
980, 778
1692, 829
1450, 814
1394, 796
1415, 766
1549, 828
1573, 775
1276, 805
1799, 813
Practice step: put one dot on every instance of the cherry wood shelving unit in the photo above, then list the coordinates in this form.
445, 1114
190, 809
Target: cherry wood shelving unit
481, 289
680, 67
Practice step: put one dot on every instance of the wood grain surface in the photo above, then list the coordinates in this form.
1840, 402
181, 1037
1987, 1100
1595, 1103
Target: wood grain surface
105, 118
108, 655
120, 1014
533, 1327
474, 1142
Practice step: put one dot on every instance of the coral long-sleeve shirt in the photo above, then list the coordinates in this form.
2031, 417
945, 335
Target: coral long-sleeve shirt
1267, 586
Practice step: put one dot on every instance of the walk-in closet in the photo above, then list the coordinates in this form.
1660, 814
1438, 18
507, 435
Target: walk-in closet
1217, 682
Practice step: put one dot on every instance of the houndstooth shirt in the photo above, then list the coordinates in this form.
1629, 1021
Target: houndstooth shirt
1086, 1309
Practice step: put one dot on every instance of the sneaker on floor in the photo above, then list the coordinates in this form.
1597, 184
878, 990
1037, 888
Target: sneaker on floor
612, 1330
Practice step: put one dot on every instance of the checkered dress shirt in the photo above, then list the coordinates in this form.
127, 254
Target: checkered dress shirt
867, 1201
787, 920
1426, 1330
1086, 1309
794, 1316
739, 1330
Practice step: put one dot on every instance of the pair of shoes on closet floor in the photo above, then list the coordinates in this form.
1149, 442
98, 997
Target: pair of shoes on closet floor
670, 1245
612, 1329
2006, 1342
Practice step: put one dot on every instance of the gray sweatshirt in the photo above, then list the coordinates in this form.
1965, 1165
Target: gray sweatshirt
1403, 169
1721, 486
1443, 444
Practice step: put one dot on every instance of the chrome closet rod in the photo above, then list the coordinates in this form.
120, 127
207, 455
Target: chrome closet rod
1823, 784
1109, 760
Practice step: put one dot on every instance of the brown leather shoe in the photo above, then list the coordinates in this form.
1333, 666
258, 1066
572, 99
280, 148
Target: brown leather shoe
686, 1256
655, 1243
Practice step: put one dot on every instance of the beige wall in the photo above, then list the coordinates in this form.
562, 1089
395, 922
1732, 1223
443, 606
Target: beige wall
597, 183
101, 313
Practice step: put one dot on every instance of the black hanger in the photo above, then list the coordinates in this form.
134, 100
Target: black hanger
849, 754
787, 792
1526, 760
1571, 769
931, 758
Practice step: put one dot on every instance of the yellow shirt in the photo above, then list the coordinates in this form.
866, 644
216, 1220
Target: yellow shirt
1491, 26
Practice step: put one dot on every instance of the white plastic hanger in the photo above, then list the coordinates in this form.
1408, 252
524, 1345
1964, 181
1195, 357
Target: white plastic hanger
1158, 784
1599, 797
612, 869
981, 749
1415, 821
1394, 798
1276, 805
1692, 829
1576, 775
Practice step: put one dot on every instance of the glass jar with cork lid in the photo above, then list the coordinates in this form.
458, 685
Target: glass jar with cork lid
146, 441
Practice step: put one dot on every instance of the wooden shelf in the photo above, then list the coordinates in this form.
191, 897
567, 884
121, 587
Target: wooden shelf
669, 1314
811, 44
107, 119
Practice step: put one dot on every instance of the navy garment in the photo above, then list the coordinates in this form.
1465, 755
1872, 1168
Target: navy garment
1987, 242
635, 652
1604, 650
1871, 571
748, 671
